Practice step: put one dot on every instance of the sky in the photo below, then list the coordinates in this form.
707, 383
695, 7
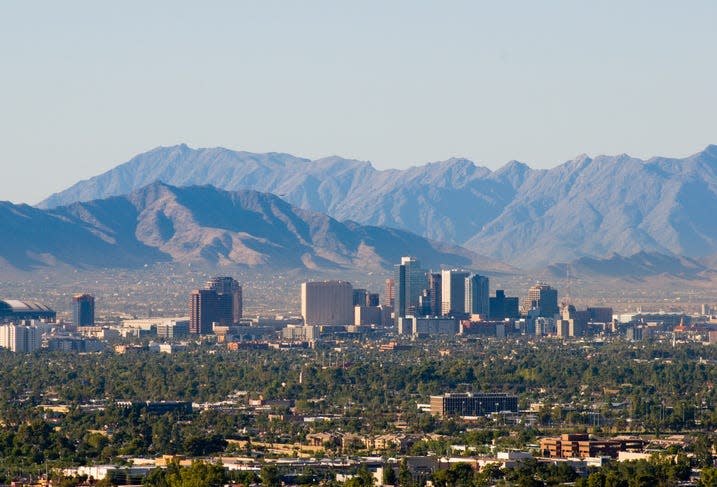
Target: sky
85, 86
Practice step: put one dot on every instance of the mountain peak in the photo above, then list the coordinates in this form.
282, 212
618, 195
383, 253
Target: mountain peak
710, 151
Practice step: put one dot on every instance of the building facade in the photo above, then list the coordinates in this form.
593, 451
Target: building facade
453, 292
544, 298
435, 294
203, 311
581, 445
83, 310
230, 297
469, 404
327, 303
389, 293
219, 302
503, 307
173, 329
410, 280
20, 338
478, 295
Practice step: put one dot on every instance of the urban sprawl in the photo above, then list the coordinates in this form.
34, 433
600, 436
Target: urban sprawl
431, 381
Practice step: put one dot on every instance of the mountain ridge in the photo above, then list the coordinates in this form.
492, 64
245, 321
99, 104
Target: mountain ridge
160, 223
528, 217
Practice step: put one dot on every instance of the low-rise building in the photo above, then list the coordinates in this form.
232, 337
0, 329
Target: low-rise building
582, 446
469, 404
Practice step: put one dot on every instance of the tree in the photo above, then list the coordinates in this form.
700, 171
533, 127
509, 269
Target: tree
363, 478
708, 477
269, 475
389, 475
405, 479
200, 474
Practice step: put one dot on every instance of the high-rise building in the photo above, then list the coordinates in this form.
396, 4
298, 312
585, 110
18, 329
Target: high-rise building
599, 314
478, 295
389, 294
83, 310
203, 311
20, 338
230, 298
410, 281
360, 297
453, 291
544, 298
327, 303
503, 307
435, 294
221, 302
577, 320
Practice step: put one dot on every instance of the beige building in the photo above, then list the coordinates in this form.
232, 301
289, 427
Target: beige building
327, 303
20, 338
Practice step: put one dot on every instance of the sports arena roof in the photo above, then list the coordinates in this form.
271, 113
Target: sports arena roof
14, 308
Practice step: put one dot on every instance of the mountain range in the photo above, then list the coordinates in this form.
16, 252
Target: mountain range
641, 266
586, 207
203, 224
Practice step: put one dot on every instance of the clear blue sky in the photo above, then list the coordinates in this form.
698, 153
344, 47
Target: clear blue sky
85, 86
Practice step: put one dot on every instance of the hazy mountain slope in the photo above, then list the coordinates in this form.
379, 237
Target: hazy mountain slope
206, 225
608, 204
35, 238
529, 218
640, 266
430, 200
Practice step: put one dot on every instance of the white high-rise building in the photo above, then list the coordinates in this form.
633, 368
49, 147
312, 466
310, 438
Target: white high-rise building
20, 338
327, 303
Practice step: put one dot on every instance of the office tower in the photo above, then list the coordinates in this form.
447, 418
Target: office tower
327, 303
20, 338
478, 295
600, 314
368, 315
577, 320
83, 310
373, 299
230, 299
502, 307
424, 303
453, 290
409, 280
389, 294
203, 311
360, 297
435, 294
171, 329
544, 298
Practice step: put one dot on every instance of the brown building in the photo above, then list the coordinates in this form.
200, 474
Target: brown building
219, 302
581, 446
231, 306
202, 311
389, 293
544, 298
